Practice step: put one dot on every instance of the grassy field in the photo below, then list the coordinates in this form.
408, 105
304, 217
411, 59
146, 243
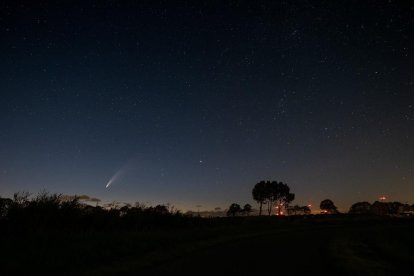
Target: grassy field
234, 246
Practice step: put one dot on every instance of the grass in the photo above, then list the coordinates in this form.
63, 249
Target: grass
245, 246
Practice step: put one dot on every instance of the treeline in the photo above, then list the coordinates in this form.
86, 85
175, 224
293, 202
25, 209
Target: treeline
69, 212
382, 208
58, 211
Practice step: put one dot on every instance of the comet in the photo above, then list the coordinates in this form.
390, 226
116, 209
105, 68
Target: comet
114, 177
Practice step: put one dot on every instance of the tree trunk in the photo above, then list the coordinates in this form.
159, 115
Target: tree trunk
269, 207
260, 208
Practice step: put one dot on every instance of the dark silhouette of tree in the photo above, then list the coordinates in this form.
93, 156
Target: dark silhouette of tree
397, 208
379, 208
5, 204
389, 208
405, 208
270, 189
247, 209
293, 210
298, 210
290, 197
233, 210
260, 194
272, 192
306, 210
360, 208
279, 194
198, 209
328, 206
21, 198
161, 209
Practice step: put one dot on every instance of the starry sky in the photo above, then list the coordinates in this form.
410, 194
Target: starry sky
193, 102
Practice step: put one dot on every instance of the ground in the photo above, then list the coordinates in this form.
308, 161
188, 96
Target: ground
240, 246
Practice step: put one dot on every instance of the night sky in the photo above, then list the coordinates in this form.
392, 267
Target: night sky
193, 102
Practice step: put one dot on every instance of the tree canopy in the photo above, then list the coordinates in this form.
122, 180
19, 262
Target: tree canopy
260, 194
328, 206
360, 208
233, 210
274, 194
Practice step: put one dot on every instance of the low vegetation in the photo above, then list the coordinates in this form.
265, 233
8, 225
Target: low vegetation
55, 234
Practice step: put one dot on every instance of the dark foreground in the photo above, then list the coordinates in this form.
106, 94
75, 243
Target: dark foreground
240, 246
